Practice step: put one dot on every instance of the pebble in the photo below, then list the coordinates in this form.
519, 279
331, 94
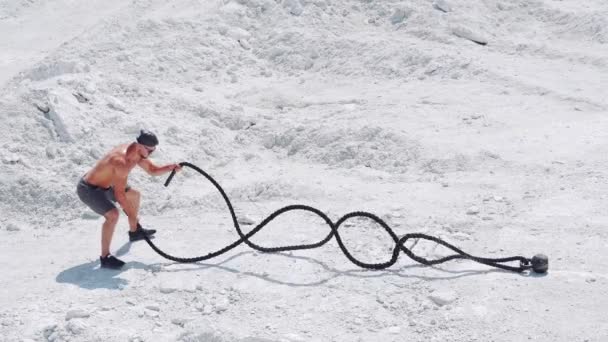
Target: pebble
221, 305
48, 329
245, 220
443, 297
11, 227
89, 215
244, 44
116, 104
207, 310
293, 6
394, 330
151, 313
180, 321
294, 338
166, 289
442, 5
473, 210
153, 307
76, 326
398, 16
466, 33
51, 152
76, 314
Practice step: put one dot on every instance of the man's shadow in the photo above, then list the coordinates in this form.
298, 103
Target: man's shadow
90, 276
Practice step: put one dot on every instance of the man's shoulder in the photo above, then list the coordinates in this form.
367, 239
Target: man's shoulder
118, 160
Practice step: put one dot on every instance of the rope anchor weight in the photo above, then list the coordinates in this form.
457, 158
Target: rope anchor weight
539, 263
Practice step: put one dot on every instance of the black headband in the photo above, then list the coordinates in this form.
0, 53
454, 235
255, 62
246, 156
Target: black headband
147, 138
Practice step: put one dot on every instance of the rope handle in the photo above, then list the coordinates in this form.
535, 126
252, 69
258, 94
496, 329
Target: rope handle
173, 172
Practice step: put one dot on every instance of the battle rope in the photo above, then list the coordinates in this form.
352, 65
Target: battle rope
539, 263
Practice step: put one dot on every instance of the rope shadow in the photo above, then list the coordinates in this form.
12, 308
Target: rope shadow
355, 273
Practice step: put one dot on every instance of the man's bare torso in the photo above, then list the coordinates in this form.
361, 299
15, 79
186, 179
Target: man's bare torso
104, 174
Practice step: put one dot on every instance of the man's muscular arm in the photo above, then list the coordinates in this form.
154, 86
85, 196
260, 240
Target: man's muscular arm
155, 170
121, 173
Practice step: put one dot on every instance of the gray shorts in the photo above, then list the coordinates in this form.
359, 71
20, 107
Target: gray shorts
100, 200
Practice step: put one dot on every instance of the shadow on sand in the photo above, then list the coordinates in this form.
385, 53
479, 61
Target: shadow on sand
90, 276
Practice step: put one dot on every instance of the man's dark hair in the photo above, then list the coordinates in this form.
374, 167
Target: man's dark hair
147, 138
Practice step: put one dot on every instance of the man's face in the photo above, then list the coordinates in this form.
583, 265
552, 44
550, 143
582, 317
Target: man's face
147, 151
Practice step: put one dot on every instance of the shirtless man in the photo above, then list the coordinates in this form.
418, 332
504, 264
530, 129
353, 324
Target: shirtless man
107, 183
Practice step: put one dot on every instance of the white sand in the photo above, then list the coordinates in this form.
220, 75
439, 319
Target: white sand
383, 106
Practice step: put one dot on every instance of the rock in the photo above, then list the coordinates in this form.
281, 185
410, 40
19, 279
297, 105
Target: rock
76, 326
11, 227
90, 88
11, 159
443, 297
153, 307
180, 321
80, 98
76, 314
394, 330
238, 33
460, 236
221, 305
466, 33
51, 152
442, 5
48, 330
245, 220
244, 44
90, 215
294, 338
167, 289
207, 310
116, 104
293, 6
398, 16
151, 313
473, 210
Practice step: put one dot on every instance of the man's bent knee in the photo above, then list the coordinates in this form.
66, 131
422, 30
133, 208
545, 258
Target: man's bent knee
133, 193
112, 215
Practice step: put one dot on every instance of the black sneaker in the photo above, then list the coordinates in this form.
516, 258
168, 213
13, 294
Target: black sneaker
109, 261
140, 233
